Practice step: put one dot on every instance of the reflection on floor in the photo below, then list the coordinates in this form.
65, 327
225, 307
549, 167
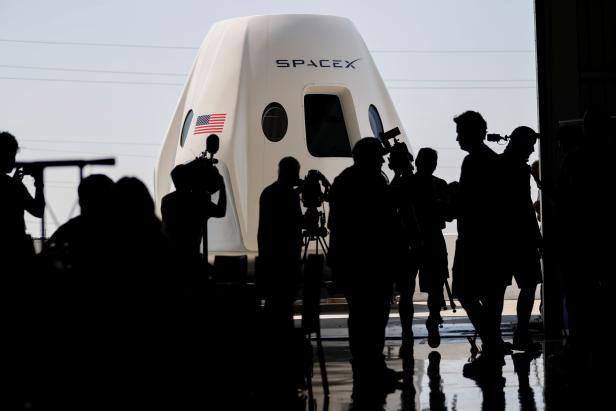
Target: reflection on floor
439, 384
253, 368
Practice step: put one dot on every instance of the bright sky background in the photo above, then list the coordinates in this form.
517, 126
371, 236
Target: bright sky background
112, 90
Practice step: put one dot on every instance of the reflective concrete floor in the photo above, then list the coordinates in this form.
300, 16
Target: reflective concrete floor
438, 385
546, 381
437, 380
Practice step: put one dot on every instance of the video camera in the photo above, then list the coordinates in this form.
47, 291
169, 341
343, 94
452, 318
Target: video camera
314, 190
386, 136
398, 151
203, 171
497, 138
310, 189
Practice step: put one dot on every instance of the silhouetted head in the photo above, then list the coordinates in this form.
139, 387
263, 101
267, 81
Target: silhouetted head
426, 161
181, 175
570, 137
400, 159
94, 194
368, 154
521, 143
8, 151
597, 123
131, 201
471, 129
288, 171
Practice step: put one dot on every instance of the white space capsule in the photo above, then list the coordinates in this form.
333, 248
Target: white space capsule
269, 87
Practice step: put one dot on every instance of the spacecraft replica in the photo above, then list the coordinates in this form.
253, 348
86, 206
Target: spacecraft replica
274, 86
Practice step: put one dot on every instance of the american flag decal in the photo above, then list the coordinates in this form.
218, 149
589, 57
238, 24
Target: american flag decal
210, 123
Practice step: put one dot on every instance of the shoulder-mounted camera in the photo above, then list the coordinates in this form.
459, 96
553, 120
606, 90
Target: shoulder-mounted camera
497, 138
204, 174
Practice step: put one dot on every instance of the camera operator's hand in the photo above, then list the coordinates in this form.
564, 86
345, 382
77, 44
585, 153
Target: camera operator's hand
19, 174
37, 175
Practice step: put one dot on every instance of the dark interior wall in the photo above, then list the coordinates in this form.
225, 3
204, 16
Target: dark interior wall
576, 63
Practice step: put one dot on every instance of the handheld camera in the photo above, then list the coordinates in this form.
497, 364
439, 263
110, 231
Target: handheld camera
204, 172
497, 138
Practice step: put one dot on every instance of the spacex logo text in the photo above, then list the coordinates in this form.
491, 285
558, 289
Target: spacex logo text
323, 63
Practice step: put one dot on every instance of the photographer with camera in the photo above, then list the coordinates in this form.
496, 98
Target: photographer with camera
16, 257
186, 210
16, 248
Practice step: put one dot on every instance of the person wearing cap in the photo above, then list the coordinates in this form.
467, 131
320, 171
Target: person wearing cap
522, 228
404, 195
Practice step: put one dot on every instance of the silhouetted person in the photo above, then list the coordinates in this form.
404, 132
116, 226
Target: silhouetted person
280, 242
16, 247
479, 278
279, 239
185, 212
431, 204
364, 242
139, 312
70, 301
403, 191
16, 258
79, 241
199, 180
523, 234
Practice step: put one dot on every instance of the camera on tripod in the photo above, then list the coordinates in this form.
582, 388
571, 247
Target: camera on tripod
314, 190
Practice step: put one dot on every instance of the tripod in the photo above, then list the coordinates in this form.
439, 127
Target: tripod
313, 283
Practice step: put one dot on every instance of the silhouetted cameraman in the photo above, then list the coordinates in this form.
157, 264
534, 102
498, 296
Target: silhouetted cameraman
16, 255
186, 210
16, 247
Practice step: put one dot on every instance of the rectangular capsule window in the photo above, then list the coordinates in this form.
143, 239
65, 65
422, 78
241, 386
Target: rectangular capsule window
326, 132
